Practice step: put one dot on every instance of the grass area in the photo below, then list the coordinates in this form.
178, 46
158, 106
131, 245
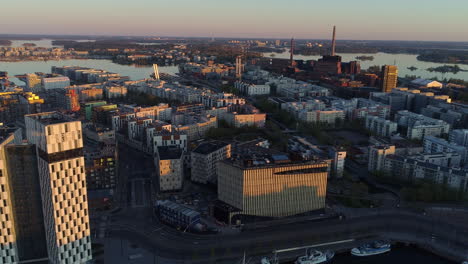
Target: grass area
353, 193
271, 132
423, 190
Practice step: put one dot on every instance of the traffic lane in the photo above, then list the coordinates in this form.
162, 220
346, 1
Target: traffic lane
301, 236
386, 220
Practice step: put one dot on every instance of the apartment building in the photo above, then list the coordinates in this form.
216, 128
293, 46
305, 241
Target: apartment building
244, 115
439, 145
204, 161
419, 126
380, 126
169, 168
459, 137
61, 163
377, 154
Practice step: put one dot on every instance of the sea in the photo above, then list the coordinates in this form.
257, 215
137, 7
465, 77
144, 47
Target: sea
400, 255
403, 61
136, 72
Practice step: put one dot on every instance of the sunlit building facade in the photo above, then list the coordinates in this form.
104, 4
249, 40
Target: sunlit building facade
274, 188
62, 177
389, 78
8, 247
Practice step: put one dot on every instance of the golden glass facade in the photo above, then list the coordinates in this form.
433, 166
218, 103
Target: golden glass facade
274, 190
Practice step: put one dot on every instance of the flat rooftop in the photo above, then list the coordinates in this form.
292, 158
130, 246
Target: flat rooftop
208, 147
50, 118
6, 131
169, 153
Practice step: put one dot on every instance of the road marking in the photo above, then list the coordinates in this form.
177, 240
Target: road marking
312, 246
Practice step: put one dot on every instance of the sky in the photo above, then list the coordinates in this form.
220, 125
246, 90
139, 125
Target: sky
445, 20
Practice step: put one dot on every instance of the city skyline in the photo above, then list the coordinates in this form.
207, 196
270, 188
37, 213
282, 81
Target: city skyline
214, 131
260, 19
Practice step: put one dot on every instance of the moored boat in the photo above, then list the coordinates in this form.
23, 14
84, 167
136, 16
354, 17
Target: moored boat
315, 257
375, 248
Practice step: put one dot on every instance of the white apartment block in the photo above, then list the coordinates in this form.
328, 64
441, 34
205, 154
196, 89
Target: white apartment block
309, 105
197, 127
419, 126
459, 137
450, 159
118, 121
204, 161
377, 156
252, 89
170, 168
410, 169
221, 100
136, 127
115, 91
338, 157
61, 165
328, 116
440, 145
296, 89
55, 83
380, 126
160, 112
241, 120
167, 138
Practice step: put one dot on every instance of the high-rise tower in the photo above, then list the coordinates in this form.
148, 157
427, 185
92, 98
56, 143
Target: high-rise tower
8, 245
239, 68
389, 78
27, 211
59, 145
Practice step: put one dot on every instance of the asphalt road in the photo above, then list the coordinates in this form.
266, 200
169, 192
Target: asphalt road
170, 243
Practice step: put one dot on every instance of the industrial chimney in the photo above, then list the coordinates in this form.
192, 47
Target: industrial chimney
333, 42
292, 53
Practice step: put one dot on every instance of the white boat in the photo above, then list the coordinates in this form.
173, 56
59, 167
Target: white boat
375, 248
315, 257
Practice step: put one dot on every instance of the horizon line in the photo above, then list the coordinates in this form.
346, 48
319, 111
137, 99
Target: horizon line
211, 37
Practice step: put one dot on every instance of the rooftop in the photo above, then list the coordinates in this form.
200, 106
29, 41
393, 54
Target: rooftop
169, 153
6, 131
208, 147
50, 118
178, 207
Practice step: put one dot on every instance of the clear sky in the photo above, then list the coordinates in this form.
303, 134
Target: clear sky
445, 20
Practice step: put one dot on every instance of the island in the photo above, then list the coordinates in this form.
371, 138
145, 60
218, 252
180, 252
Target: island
29, 45
412, 68
365, 58
56, 42
445, 56
447, 68
5, 42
